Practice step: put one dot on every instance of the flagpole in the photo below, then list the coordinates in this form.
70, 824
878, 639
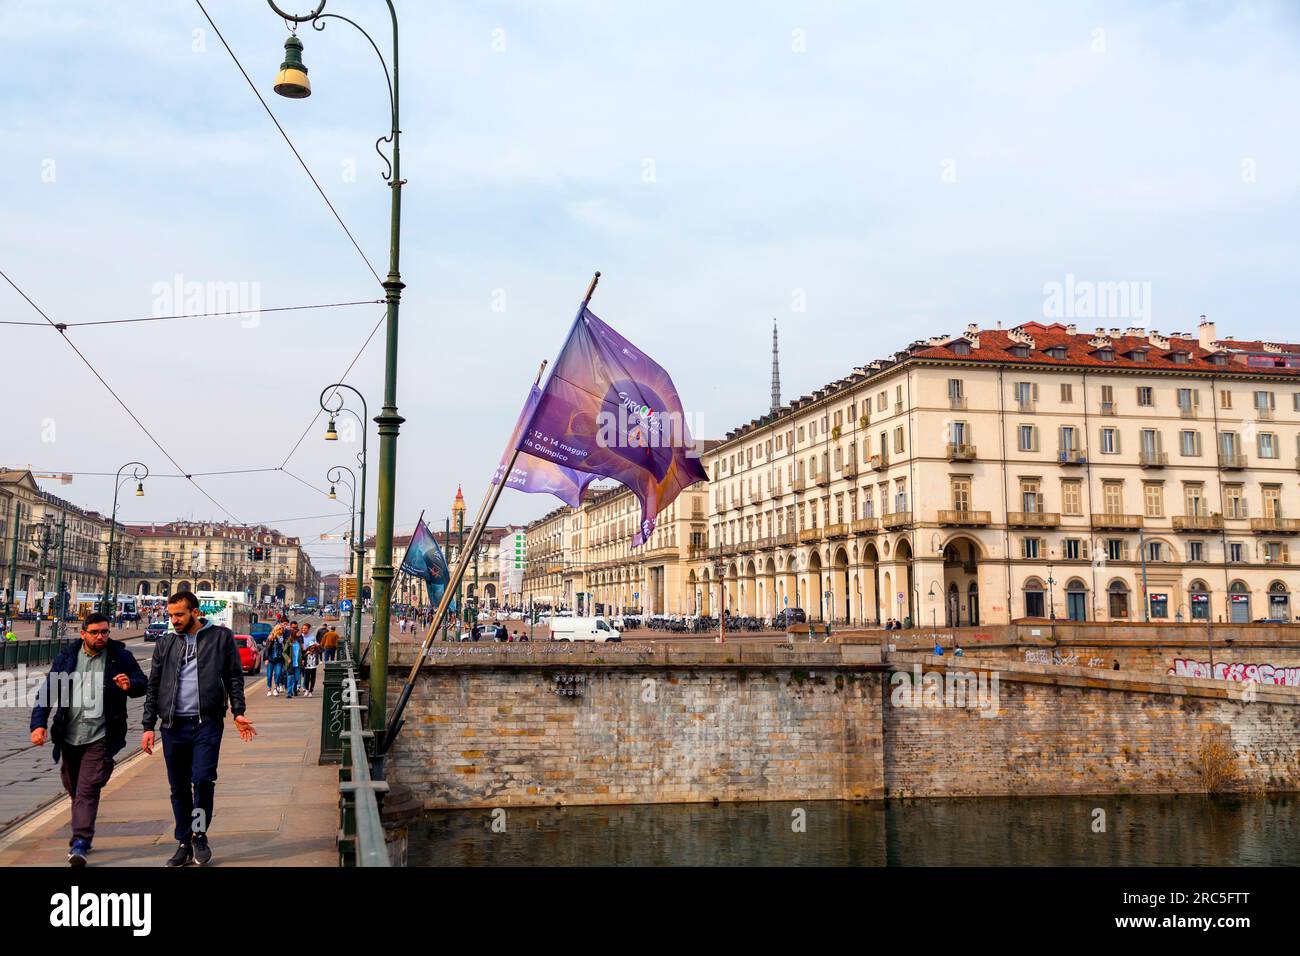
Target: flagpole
484, 512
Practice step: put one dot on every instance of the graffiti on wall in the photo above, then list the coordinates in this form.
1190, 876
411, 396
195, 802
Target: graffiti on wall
1284, 675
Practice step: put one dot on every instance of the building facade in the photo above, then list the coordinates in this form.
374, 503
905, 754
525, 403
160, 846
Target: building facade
1036, 472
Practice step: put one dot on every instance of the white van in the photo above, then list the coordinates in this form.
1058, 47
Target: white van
582, 629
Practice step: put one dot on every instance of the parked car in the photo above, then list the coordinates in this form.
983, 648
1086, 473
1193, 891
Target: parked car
582, 629
155, 630
250, 655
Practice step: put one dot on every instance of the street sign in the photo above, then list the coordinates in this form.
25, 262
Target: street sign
636, 595
345, 605
786, 600
347, 586
900, 595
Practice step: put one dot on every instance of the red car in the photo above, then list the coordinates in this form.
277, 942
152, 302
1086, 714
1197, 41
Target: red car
250, 655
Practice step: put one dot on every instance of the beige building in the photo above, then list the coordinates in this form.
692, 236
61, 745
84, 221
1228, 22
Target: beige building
1026, 473
214, 556
31, 518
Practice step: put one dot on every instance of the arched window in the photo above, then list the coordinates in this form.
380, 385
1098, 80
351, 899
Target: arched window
1238, 603
1076, 600
1279, 602
1198, 596
1034, 598
1117, 600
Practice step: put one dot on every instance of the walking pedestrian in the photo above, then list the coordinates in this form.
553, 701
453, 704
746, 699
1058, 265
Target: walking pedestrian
196, 671
310, 661
87, 687
293, 664
331, 643
275, 661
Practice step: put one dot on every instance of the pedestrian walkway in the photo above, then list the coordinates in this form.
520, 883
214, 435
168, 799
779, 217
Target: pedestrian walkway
275, 806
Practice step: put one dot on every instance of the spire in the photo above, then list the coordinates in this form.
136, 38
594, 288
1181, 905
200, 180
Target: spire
458, 508
776, 372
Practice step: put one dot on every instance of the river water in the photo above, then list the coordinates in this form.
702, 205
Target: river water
1185, 830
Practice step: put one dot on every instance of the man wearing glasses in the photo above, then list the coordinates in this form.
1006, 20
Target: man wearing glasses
196, 670
87, 687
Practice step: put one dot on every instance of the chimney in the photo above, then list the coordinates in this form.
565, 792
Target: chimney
1206, 332
1071, 329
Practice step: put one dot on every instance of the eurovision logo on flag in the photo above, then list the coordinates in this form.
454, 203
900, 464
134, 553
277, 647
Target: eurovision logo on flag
610, 410
539, 476
425, 560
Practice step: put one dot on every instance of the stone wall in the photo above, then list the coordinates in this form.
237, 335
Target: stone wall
512, 726
480, 736
1062, 730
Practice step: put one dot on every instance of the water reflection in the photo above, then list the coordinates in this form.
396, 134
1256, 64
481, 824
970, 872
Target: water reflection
989, 831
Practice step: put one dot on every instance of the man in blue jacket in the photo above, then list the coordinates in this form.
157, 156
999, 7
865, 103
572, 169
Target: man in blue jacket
86, 688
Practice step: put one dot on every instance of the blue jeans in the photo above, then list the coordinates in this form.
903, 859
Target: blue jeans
294, 674
191, 751
274, 674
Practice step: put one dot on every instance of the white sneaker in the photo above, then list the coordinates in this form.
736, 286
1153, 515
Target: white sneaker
269, 693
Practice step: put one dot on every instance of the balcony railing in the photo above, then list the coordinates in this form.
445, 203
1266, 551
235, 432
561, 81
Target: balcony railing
837, 530
1108, 408
865, 525
1033, 519
1231, 459
1198, 522
799, 484
1025, 404
787, 540
968, 518
1276, 525
1071, 456
755, 497
850, 469
822, 479
1187, 411
1116, 521
766, 544
1264, 414
879, 462
810, 534
960, 451
1153, 459
957, 402
899, 519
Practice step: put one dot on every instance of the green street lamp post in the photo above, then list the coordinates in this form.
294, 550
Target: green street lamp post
292, 82
138, 474
334, 476
359, 537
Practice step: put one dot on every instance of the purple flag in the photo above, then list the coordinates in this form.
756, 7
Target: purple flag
612, 411
535, 476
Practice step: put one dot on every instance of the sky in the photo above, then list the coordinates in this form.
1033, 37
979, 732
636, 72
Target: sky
866, 174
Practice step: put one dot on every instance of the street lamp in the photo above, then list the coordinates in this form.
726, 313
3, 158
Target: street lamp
344, 474
139, 472
331, 434
1051, 591
290, 83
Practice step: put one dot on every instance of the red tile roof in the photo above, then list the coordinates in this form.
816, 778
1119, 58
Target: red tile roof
995, 346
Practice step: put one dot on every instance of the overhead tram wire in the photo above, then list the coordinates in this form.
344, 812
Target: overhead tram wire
195, 315
342, 378
135, 418
252, 86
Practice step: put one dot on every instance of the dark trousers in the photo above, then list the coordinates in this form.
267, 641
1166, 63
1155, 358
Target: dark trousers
85, 771
309, 678
191, 750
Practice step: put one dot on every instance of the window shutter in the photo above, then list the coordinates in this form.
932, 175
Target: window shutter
1196, 398
1117, 448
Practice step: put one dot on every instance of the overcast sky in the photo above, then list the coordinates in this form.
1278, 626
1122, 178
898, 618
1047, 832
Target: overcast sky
866, 173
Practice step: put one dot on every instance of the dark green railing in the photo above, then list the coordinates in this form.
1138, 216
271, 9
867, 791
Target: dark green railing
361, 830
30, 653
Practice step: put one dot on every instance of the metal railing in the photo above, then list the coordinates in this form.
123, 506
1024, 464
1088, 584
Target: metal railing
361, 829
29, 653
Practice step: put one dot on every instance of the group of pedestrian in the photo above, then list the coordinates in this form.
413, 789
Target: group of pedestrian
893, 624
195, 677
292, 655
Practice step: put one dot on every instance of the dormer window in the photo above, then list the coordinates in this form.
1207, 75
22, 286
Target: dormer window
1019, 351
1056, 352
1218, 360
960, 348
1105, 355
1178, 358
1137, 355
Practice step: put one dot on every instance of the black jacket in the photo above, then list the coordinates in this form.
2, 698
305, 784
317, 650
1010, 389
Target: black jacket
118, 660
221, 676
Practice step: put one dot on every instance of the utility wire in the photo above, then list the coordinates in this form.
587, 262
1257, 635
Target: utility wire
60, 326
342, 378
287, 140
94, 371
